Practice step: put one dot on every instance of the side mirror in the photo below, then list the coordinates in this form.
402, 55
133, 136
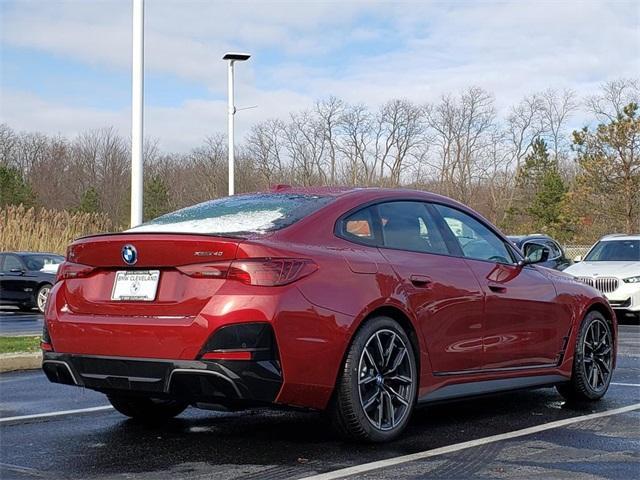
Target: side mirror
577, 258
544, 256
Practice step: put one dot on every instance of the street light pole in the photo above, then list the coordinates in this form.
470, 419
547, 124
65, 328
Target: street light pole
137, 112
231, 59
230, 125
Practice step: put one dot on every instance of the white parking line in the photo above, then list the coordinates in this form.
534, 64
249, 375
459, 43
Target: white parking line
56, 414
367, 467
626, 384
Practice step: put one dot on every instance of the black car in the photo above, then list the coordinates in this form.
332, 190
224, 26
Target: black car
26, 278
542, 249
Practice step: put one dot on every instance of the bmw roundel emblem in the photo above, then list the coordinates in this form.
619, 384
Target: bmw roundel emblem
129, 254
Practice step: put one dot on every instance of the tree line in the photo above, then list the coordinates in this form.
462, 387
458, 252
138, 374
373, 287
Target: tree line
526, 170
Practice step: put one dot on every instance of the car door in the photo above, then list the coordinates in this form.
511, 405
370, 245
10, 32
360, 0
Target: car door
15, 288
524, 326
440, 289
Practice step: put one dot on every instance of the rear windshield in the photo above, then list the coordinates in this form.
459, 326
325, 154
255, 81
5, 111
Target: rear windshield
615, 251
238, 215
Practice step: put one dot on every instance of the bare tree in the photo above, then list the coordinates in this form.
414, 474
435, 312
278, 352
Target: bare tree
609, 104
306, 144
329, 112
355, 125
8, 144
557, 108
462, 128
264, 144
399, 130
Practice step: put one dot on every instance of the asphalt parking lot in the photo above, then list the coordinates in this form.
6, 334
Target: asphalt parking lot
14, 322
40, 438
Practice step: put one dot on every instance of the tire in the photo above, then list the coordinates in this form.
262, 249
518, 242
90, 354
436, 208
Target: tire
390, 380
593, 350
148, 410
41, 297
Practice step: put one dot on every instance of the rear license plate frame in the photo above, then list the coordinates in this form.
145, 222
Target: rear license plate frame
143, 287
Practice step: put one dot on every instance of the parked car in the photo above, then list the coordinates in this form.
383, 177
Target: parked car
363, 302
542, 249
26, 278
612, 266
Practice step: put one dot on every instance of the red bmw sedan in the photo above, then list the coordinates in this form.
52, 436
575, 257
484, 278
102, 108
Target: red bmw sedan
362, 302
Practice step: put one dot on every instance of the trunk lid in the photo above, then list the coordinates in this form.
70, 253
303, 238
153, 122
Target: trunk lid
177, 294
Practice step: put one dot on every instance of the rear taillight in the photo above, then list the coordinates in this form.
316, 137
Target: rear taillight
206, 270
265, 272
68, 270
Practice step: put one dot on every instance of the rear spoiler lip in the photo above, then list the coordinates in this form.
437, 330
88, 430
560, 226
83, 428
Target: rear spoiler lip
214, 235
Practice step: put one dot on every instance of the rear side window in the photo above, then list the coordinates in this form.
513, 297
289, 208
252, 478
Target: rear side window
42, 262
359, 227
408, 226
402, 225
238, 215
11, 262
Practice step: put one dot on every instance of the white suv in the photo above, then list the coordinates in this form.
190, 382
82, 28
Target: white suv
613, 267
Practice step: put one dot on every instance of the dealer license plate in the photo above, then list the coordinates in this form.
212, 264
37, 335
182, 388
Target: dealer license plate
135, 285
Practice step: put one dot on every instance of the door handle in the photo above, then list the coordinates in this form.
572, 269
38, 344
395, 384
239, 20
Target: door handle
421, 281
498, 289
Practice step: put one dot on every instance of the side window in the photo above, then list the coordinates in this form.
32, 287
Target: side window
476, 241
535, 250
11, 262
554, 250
409, 226
360, 227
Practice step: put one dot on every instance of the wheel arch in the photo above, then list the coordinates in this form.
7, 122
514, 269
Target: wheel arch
610, 317
606, 313
420, 351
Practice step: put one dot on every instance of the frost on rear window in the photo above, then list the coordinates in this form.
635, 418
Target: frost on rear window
242, 214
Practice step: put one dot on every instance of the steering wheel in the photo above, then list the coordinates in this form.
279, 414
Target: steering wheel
498, 259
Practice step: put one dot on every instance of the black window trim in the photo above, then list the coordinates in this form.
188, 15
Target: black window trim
337, 229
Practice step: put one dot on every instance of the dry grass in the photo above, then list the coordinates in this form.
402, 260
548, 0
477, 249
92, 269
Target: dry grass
42, 230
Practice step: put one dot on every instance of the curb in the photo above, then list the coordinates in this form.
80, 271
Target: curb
20, 361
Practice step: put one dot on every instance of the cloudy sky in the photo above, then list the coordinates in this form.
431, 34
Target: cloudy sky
66, 66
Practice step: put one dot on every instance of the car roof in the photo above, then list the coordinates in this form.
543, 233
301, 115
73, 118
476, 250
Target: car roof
363, 193
620, 236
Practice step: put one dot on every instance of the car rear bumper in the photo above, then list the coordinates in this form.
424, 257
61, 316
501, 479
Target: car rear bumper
233, 383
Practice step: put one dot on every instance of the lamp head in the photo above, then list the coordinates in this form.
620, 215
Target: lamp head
236, 57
